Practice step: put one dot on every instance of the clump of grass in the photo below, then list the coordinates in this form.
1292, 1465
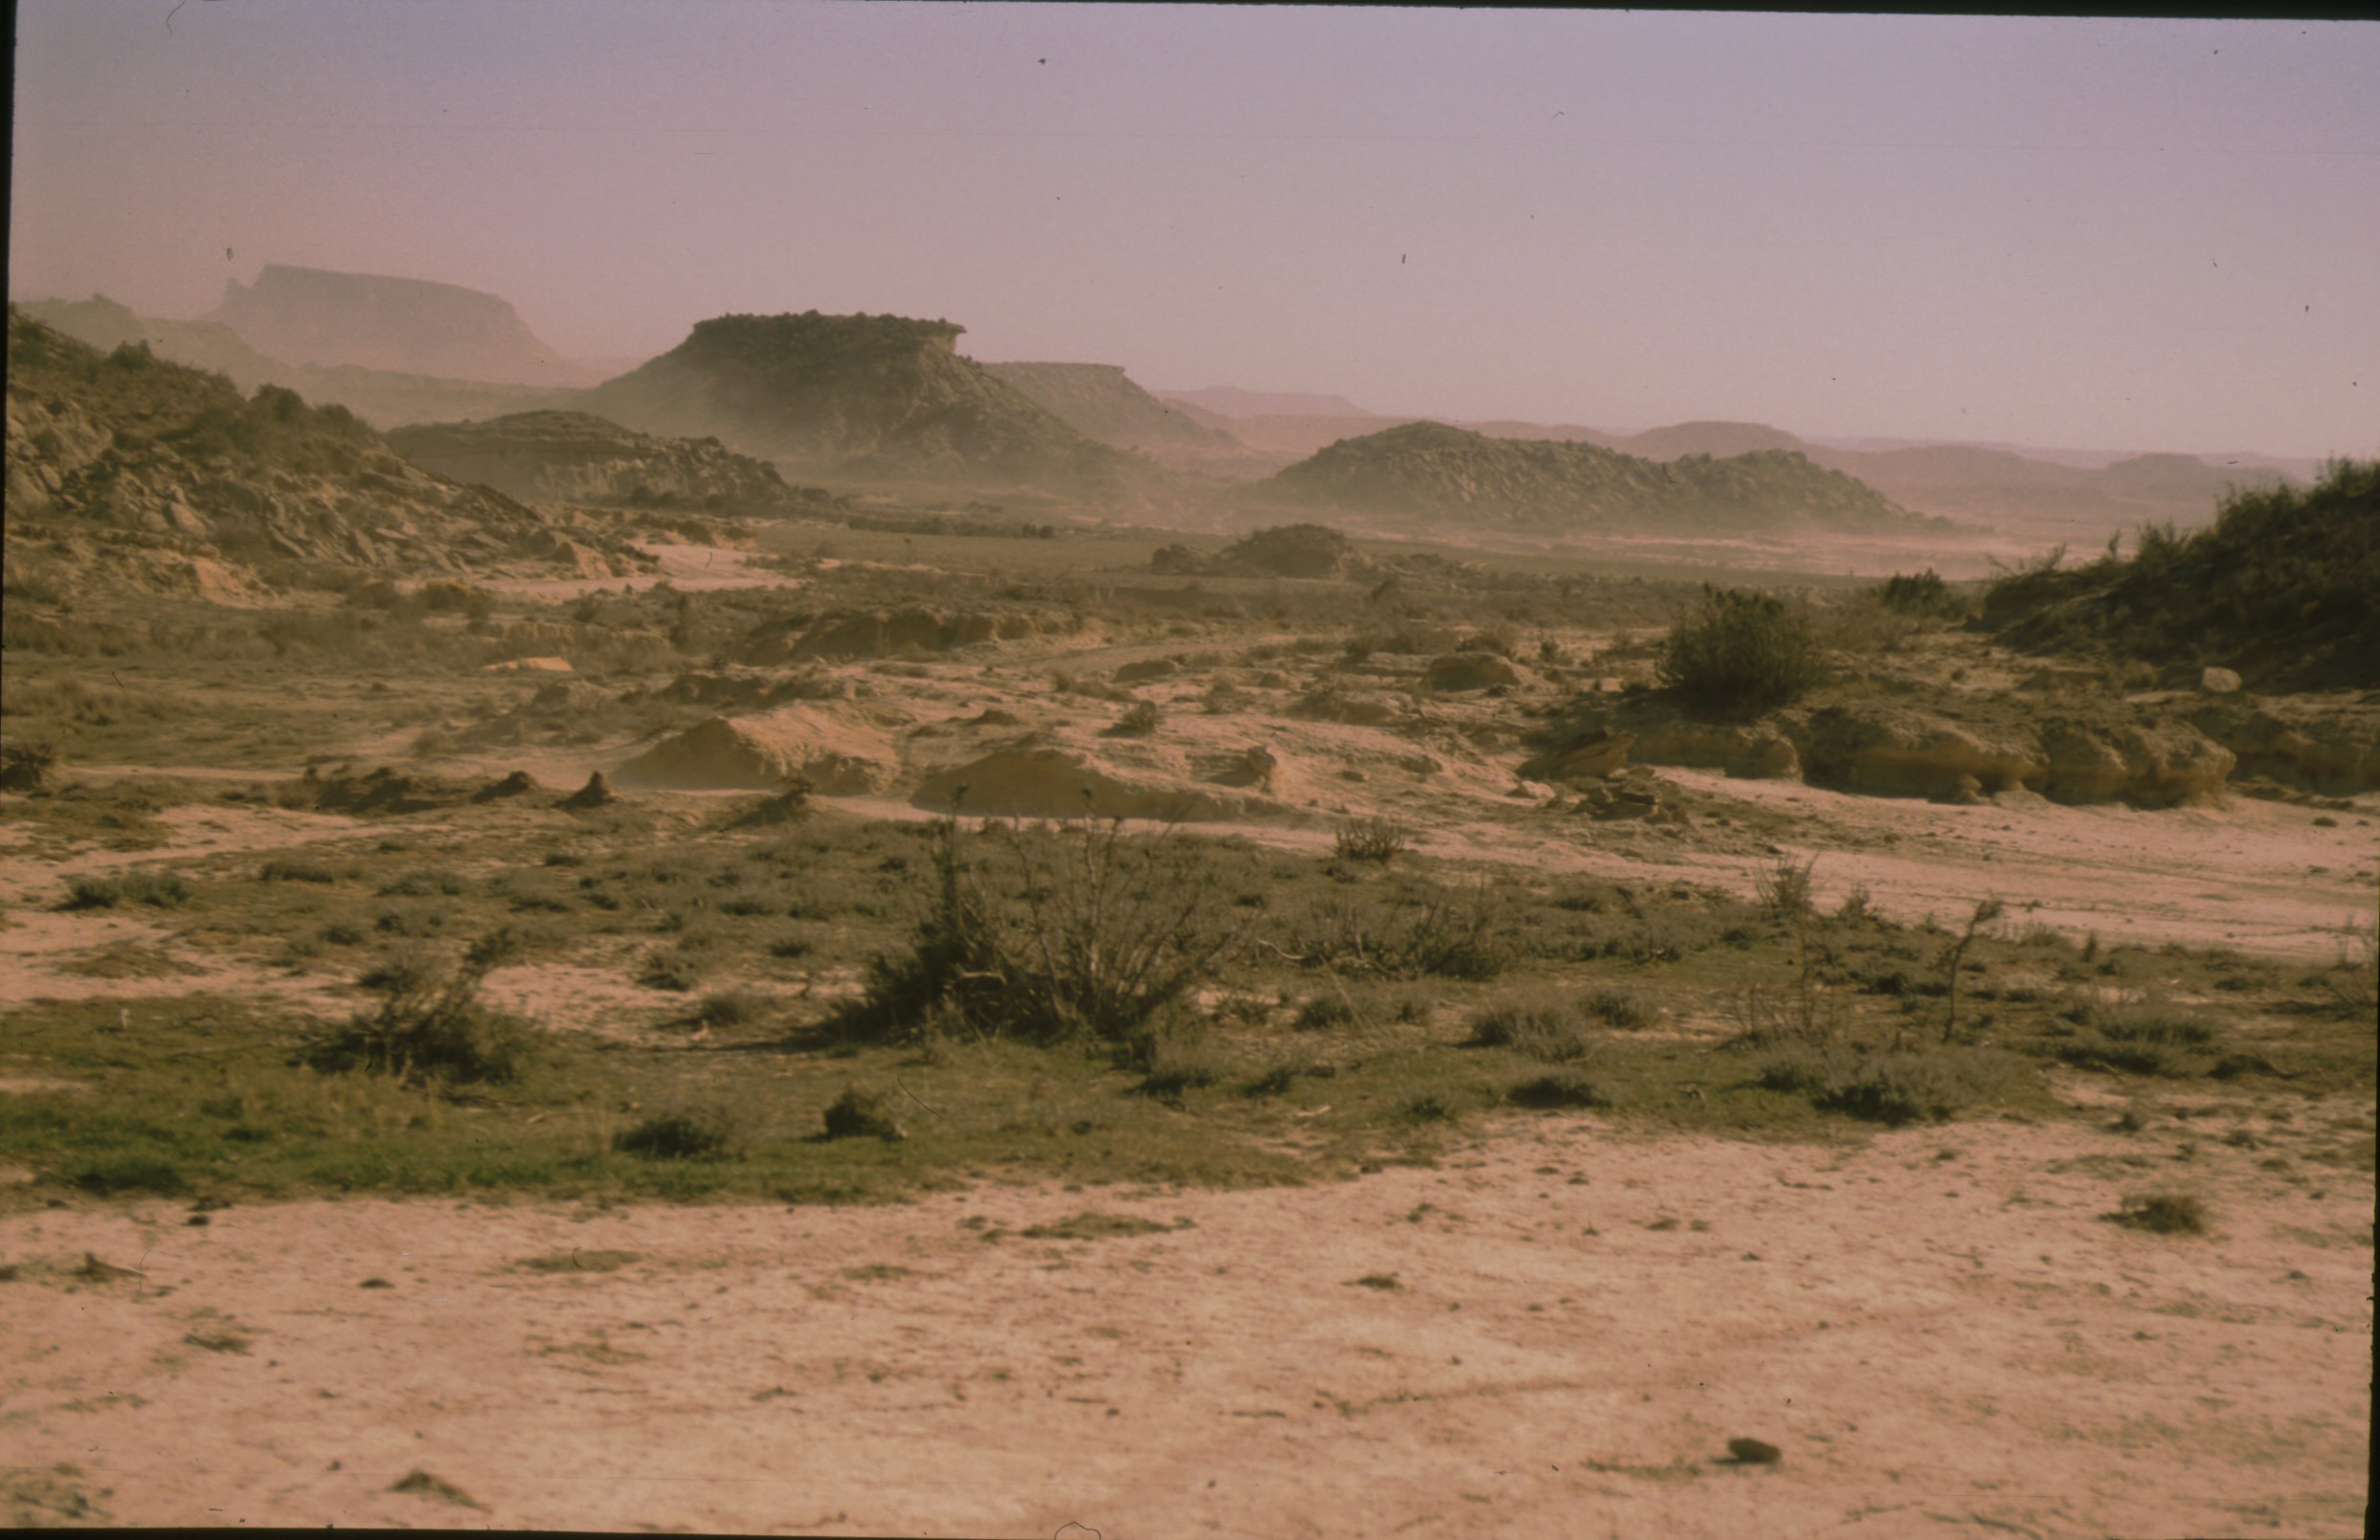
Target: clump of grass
859, 1114
161, 890
288, 870
1083, 934
1562, 1089
431, 1025
1140, 719
1460, 935
676, 968
1543, 1027
1173, 1054
693, 1134
1374, 839
1738, 650
1093, 1225
1624, 1008
1890, 1087
1323, 1013
2165, 1213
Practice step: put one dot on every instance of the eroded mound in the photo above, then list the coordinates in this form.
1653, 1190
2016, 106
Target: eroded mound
837, 753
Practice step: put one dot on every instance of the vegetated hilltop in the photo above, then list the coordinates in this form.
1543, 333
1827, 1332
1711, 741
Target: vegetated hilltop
2279, 588
145, 475
1428, 471
408, 326
1100, 401
380, 397
572, 456
869, 396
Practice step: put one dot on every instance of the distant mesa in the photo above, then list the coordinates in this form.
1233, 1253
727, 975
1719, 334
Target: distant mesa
1431, 473
869, 396
1101, 401
1230, 401
382, 397
573, 456
408, 325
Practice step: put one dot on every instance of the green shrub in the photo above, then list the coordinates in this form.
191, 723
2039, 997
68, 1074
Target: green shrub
1563, 1088
859, 1114
1738, 650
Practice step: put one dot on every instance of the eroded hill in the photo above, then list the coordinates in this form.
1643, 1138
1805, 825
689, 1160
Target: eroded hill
1102, 402
573, 457
1430, 471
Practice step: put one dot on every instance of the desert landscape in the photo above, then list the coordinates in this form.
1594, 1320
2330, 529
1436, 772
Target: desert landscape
811, 933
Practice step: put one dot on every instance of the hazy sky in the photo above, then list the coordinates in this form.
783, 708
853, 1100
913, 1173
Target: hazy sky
2110, 234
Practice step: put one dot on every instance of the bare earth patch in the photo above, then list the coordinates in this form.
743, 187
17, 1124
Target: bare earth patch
1939, 1332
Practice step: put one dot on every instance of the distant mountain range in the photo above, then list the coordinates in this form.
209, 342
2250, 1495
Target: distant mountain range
889, 398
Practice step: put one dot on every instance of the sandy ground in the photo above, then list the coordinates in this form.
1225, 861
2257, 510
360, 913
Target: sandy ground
1937, 1328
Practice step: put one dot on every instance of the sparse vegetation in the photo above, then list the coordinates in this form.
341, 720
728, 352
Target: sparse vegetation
431, 1025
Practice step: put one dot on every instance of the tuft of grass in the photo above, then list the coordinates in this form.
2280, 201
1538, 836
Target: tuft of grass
1093, 1225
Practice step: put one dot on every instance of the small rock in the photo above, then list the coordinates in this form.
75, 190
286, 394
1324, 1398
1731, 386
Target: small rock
1753, 1452
2219, 681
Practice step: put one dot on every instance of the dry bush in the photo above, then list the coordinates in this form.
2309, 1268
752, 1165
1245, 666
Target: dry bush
1738, 650
1543, 1026
431, 1025
1377, 839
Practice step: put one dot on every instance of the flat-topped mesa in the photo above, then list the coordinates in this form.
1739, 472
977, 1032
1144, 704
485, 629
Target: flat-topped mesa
308, 315
861, 395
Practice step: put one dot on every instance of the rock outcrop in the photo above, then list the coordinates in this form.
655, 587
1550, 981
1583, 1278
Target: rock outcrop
128, 469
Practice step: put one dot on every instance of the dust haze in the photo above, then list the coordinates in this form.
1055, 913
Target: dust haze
885, 891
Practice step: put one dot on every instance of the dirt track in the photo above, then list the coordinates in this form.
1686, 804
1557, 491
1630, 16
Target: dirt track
1937, 1328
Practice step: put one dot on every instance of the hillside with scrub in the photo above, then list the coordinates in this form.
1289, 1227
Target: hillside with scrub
2279, 588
